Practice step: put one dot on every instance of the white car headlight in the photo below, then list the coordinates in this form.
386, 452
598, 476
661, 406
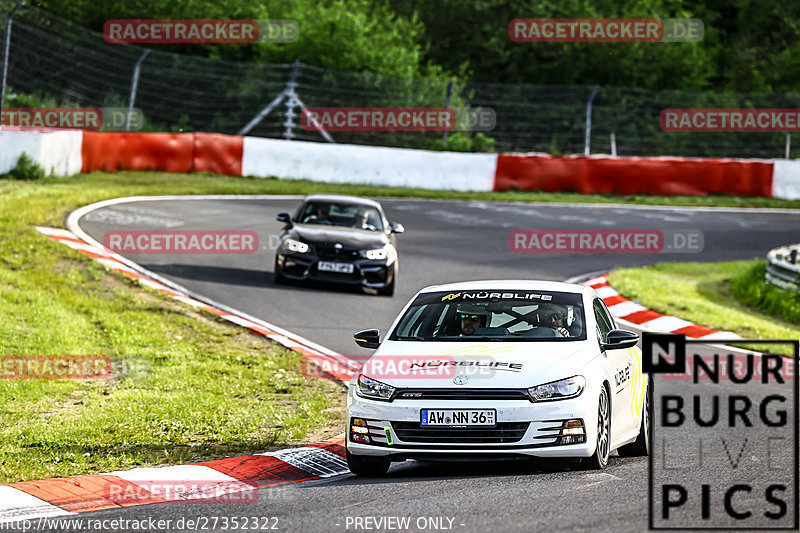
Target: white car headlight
295, 246
379, 254
558, 390
373, 389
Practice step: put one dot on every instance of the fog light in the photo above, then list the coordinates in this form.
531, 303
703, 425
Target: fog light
573, 432
359, 432
573, 427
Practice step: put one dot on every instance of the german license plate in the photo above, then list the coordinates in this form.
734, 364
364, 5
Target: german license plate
457, 417
342, 268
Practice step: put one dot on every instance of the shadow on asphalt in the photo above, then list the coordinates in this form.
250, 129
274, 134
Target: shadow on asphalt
246, 277
227, 275
410, 471
427, 471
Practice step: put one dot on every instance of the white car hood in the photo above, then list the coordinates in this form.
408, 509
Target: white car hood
518, 365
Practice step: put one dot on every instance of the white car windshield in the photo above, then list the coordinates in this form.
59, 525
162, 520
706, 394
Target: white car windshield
504, 315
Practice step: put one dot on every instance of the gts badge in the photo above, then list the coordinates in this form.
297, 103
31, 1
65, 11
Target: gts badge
623, 375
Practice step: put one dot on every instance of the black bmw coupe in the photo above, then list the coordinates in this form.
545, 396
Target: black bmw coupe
338, 239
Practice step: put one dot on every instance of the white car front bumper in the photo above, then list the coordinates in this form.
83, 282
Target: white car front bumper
522, 427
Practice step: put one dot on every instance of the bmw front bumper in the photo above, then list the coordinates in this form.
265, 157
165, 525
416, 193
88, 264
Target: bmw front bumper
374, 274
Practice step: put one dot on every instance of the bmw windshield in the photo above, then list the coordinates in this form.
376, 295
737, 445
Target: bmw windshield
493, 316
340, 214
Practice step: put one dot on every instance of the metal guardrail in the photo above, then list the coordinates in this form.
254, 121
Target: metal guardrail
783, 269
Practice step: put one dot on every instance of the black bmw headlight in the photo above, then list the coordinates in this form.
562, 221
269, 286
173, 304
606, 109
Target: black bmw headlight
298, 247
379, 254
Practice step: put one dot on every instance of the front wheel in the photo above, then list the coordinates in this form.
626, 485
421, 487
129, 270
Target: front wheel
641, 446
599, 460
367, 466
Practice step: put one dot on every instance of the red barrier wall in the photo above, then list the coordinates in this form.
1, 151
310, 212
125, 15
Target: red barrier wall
168, 152
668, 176
217, 153
634, 175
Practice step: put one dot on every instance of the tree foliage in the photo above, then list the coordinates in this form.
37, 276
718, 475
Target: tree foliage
749, 46
353, 35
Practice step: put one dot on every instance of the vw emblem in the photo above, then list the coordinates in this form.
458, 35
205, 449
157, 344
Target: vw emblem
461, 380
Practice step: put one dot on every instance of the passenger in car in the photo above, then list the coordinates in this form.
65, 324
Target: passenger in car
554, 316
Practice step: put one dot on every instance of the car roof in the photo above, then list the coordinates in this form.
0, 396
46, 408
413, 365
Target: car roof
508, 284
341, 198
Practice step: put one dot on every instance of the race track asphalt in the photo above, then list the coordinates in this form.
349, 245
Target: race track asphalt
448, 241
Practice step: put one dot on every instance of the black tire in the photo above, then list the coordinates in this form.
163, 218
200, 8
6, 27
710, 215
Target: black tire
367, 466
641, 446
389, 289
599, 460
277, 277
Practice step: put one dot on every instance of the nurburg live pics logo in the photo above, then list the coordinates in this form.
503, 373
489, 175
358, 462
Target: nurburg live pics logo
724, 442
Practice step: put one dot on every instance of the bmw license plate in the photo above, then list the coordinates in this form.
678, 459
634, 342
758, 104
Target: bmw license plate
342, 268
457, 417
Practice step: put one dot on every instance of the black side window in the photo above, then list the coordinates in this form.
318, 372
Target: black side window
604, 321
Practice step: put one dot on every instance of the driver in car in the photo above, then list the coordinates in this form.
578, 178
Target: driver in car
321, 215
554, 316
471, 318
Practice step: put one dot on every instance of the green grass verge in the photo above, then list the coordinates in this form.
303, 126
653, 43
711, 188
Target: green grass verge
753, 290
728, 296
103, 185
186, 386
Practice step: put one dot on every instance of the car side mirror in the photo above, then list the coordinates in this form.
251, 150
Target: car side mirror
618, 339
369, 338
396, 228
286, 218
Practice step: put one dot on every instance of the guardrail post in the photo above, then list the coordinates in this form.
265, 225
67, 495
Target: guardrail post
291, 101
6, 51
588, 140
447, 106
134, 87
788, 145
